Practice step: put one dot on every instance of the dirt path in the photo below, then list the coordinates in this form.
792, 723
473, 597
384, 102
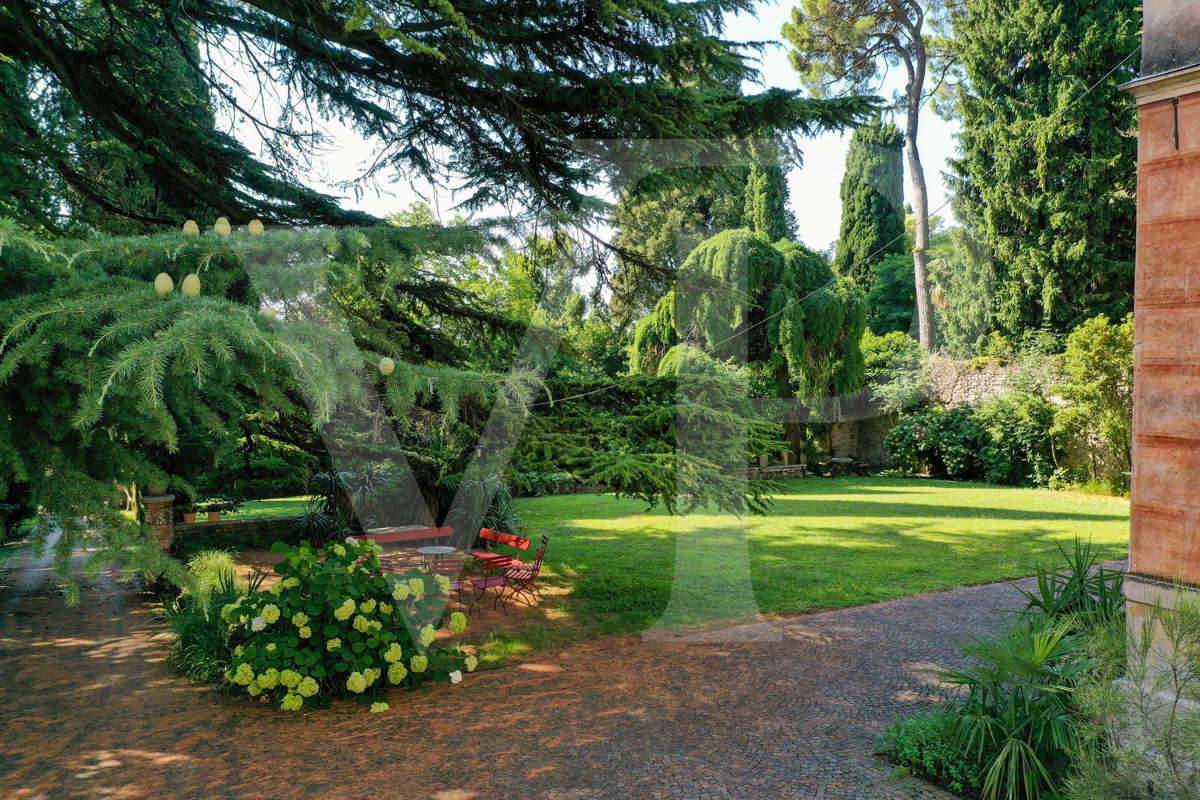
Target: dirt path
88, 710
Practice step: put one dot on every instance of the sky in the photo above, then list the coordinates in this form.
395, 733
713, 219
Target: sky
813, 188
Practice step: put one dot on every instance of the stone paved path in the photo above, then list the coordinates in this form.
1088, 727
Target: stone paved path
87, 710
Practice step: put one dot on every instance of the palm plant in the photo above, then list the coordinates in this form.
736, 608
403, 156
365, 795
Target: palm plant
1017, 713
1091, 595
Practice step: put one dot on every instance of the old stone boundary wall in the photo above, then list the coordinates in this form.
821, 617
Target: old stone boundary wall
952, 383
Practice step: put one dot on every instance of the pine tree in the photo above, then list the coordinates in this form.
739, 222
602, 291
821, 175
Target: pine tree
872, 196
1047, 175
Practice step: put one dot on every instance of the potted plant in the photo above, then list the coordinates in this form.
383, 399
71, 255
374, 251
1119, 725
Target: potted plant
188, 510
217, 504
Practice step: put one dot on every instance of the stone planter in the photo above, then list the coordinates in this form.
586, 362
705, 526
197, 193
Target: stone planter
189, 519
156, 512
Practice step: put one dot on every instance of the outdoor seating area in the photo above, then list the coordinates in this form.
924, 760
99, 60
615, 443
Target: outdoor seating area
504, 579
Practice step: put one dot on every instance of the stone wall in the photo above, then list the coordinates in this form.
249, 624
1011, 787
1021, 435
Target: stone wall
232, 534
966, 382
952, 383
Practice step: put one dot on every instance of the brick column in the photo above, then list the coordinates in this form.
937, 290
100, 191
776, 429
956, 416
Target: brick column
1164, 539
157, 512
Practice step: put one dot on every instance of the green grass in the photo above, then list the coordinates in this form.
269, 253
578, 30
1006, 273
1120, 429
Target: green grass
275, 507
826, 544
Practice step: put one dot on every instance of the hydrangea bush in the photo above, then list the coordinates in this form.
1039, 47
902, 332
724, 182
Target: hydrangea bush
333, 626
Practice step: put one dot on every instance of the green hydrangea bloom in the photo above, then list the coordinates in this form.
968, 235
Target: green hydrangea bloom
271, 647
305, 632
458, 622
428, 634
372, 674
367, 606
393, 653
356, 683
270, 613
243, 675
344, 611
377, 708
386, 608
254, 689
400, 592
308, 687
289, 678
397, 673
333, 644
293, 702
362, 624
416, 585
341, 551
299, 619
418, 663
269, 679
472, 663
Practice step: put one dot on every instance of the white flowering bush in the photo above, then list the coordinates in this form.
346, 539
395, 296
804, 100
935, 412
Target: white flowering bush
332, 626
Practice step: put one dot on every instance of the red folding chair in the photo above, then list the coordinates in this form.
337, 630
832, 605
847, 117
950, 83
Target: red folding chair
521, 581
497, 582
488, 560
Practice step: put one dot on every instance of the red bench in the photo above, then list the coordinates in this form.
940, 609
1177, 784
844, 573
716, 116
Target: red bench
393, 561
490, 560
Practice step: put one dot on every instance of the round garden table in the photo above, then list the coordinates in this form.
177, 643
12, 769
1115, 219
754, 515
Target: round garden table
436, 550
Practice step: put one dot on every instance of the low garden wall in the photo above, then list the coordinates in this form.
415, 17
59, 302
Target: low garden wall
232, 534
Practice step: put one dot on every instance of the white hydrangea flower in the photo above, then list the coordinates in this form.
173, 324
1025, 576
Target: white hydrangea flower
257, 624
456, 676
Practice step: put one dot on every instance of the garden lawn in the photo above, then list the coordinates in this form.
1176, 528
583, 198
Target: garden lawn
275, 507
825, 544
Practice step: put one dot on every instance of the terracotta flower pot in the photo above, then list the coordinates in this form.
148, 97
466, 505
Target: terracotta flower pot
214, 516
189, 519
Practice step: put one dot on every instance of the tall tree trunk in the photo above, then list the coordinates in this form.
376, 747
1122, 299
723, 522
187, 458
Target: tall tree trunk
916, 174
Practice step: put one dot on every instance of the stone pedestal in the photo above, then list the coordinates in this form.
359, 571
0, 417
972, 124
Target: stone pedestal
157, 512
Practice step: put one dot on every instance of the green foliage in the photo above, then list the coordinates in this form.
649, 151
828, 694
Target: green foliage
949, 443
659, 226
892, 300
200, 650
624, 438
1015, 715
1097, 383
333, 626
927, 746
964, 280
895, 370
1048, 167
1091, 596
1141, 706
538, 484
448, 90
1021, 422
102, 380
813, 320
872, 196
208, 569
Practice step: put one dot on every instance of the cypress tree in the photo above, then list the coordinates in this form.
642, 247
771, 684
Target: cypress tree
872, 202
1046, 174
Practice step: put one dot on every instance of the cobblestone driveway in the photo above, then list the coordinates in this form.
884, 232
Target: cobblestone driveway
87, 710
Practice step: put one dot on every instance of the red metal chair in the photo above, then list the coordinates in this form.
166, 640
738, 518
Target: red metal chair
497, 582
521, 581
488, 560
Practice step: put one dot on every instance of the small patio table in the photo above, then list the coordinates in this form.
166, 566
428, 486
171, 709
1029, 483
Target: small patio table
436, 551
